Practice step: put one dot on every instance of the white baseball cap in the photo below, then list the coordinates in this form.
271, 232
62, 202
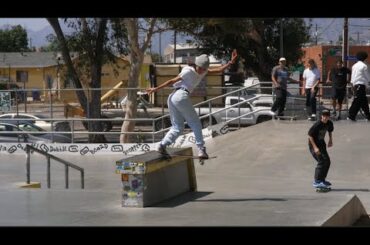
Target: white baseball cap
202, 61
282, 59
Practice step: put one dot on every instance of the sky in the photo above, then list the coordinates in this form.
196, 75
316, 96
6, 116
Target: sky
34, 24
328, 28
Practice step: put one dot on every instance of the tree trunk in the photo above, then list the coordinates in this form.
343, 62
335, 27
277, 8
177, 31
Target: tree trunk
96, 67
137, 58
92, 107
68, 61
131, 105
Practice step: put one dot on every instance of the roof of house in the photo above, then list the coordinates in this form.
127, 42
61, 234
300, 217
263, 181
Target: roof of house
29, 59
41, 59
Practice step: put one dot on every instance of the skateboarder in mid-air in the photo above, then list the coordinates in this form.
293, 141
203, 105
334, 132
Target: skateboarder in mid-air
317, 146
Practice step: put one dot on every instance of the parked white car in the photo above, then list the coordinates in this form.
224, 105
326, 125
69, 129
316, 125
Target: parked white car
38, 120
25, 137
234, 108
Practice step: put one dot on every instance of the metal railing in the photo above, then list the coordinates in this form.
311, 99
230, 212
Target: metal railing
48, 157
297, 108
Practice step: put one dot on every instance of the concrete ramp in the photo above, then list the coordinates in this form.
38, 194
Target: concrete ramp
262, 176
348, 214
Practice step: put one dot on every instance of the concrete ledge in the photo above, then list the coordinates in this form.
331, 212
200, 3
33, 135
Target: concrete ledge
148, 178
30, 185
348, 214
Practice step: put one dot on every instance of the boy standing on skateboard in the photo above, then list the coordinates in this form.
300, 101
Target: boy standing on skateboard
317, 146
180, 105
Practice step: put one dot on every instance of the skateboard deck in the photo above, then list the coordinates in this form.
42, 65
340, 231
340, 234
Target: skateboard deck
290, 118
201, 160
321, 189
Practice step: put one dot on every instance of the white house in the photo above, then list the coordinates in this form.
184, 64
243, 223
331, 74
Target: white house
185, 53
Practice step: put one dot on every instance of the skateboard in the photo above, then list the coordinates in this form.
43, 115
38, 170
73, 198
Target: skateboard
201, 160
323, 189
290, 118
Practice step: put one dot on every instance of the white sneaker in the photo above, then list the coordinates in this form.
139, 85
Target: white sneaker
202, 153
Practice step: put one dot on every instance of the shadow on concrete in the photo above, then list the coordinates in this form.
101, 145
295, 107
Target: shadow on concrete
182, 199
363, 190
242, 200
363, 221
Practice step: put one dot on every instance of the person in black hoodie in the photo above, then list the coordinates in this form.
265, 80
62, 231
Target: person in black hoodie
317, 146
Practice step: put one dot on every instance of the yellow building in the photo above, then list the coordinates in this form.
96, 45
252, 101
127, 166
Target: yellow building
39, 71
29, 70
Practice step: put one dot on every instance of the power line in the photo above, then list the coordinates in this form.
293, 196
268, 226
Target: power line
334, 19
359, 26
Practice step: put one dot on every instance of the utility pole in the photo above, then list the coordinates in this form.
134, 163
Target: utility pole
345, 43
316, 35
281, 39
160, 47
358, 37
174, 48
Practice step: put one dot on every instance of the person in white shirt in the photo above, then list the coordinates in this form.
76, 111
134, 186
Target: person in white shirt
180, 105
311, 79
359, 80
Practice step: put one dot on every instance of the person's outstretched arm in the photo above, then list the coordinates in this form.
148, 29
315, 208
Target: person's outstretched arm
234, 55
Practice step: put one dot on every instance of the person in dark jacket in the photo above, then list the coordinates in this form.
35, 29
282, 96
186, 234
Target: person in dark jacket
337, 77
317, 147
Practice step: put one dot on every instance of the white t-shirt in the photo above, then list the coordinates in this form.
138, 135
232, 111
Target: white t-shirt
360, 74
311, 76
189, 78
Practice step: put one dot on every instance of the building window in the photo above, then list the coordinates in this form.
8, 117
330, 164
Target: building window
22, 76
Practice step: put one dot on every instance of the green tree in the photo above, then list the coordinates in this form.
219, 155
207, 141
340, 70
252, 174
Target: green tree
257, 40
156, 57
90, 38
139, 34
13, 39
52, 46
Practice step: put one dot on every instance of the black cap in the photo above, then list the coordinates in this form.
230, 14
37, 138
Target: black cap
325, 113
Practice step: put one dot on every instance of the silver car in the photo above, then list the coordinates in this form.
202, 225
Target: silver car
37, 120
27, 133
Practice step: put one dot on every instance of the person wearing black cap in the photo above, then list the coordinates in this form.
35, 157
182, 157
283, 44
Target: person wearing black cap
317, 147
180, 105
359, 80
